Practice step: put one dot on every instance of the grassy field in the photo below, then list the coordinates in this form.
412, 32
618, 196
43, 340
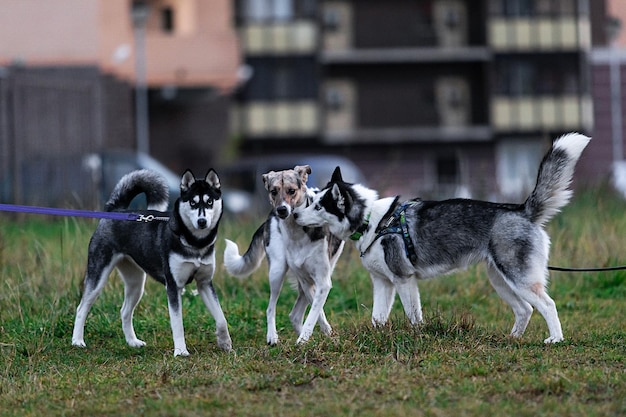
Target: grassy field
459, 362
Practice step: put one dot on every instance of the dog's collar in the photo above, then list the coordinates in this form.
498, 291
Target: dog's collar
361, 229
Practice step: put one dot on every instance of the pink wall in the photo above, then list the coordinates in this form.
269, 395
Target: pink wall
49, 31
617, 8
99, 32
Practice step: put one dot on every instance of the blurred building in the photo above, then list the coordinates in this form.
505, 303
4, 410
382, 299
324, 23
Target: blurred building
69, 71
608, 83
429, 97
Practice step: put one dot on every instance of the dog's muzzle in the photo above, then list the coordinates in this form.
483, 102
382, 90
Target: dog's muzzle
202, 223
282, 212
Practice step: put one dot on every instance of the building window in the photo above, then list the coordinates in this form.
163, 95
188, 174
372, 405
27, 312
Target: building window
516, 8
517, 162
167, 19
275, 10
555, 8
270, 10
289, 78
447, 170
540, 76
528, 8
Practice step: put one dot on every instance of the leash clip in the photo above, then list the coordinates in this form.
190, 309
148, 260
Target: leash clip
145, 218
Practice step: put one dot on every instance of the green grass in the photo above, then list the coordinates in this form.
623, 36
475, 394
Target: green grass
460, 361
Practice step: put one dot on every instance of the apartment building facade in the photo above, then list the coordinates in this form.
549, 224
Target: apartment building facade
430, 97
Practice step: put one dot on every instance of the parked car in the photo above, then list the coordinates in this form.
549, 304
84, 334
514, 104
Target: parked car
108, 167
243, 187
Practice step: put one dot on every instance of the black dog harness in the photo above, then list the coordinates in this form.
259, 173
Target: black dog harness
394, 224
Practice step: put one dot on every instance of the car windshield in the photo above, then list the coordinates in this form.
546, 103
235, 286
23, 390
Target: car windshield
147, 162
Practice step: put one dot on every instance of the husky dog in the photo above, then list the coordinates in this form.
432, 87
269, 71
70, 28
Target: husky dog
310, 254
174, 252
421, 239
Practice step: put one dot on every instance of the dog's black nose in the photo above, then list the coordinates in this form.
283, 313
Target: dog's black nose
201, 223
295, 215
282, 212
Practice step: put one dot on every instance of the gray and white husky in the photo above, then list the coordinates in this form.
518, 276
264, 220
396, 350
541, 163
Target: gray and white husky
174, 252
309, 254
420, 239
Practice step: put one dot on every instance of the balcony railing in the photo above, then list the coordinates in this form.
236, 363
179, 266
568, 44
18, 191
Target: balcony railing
543, 34
277, 119
296, 37
542, 112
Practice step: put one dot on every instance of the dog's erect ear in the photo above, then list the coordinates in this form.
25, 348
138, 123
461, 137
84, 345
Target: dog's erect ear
335, 192
266, 179
187, 180
303, 171
336, 175
213, 179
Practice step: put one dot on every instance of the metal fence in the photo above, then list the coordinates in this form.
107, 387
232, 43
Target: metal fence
50, 118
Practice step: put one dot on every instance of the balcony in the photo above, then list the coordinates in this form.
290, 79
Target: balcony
539, 34
531, 113
280, 38
286, 119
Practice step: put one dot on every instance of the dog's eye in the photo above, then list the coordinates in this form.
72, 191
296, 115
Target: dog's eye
274, 193
291, 191
318, 207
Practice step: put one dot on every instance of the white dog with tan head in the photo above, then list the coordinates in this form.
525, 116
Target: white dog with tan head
309, 254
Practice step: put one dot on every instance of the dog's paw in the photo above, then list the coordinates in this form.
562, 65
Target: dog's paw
326, 329
303, 338
223, 338
272, 338
136, 343
79, 343
553, 339
378, 323
181, 352
225, 344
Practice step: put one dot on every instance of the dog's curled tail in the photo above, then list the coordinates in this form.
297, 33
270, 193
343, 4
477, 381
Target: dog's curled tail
243, 265
555, 175
151, 183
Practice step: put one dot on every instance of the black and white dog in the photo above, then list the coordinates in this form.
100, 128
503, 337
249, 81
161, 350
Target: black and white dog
421, 239
309, 254
174, 252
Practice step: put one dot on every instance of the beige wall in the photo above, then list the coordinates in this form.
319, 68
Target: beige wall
203, 50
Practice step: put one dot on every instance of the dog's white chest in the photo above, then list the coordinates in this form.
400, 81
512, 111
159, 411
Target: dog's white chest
297, 256
183, 268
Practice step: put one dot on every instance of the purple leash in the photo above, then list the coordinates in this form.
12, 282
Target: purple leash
112, 215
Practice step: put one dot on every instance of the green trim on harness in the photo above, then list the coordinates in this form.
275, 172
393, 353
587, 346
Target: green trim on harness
362, 228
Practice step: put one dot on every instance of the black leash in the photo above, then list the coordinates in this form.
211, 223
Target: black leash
609, 268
